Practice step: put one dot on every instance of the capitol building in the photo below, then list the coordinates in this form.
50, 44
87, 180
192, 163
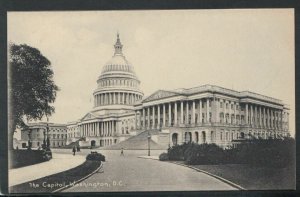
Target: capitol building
204, 114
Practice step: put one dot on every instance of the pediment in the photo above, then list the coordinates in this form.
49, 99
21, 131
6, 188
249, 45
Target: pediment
88, 116
160, 94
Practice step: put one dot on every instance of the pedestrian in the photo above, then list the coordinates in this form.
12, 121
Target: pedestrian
74, 150
122, 152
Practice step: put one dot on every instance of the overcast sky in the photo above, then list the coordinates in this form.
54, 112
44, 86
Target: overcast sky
239, 49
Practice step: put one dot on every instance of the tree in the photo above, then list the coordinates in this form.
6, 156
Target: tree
31, 87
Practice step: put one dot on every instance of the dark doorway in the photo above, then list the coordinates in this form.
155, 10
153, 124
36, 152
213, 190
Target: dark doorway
174, 138
93, 143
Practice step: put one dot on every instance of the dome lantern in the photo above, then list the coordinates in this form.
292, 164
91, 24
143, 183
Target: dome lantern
118, 46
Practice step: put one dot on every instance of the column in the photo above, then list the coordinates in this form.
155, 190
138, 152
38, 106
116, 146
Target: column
251, 115
207, 110
181, 112
267, 117
234, 108
158, 116
164, 115
144, 118
260, 117
110, 128
246, 113
170, 121
135, 116
224, 111
281, 119
148, 118
102, 129
230, 111
200, 111
187, 113
272, 117
113, 127
193, 112
106, 129
264, 120
175, 113
153, 117
114, 94
255, 116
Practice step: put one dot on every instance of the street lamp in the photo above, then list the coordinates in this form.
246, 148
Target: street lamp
44, 141
29, 140
149, 137
48, 140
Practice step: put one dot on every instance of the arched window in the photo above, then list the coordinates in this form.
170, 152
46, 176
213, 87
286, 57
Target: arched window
242, 135
174, 138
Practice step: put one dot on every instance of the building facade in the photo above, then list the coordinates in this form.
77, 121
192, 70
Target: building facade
212, 114
204, 114
37, 132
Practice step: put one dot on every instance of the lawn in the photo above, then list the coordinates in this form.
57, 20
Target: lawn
255, 178
56, 181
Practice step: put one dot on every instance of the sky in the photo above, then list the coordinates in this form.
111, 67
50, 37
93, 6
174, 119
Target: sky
240, 49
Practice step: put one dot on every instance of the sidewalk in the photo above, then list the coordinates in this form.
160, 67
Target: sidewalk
59, 163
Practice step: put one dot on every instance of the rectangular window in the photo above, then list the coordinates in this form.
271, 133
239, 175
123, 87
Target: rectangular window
231, 106
221, 105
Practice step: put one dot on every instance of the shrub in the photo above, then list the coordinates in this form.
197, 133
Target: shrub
275, 153
164, 157
204, 154
95, 156
20, 158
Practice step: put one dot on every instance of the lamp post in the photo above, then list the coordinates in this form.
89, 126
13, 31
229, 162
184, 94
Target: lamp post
29, 140
48, 140
149, 137
44, 141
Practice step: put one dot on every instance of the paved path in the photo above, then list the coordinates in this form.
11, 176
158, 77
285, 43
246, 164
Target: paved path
59, 163
130, 173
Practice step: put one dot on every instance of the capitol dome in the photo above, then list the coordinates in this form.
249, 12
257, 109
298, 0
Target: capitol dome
117, 83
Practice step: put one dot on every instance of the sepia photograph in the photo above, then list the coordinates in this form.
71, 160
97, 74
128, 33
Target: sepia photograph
151, 100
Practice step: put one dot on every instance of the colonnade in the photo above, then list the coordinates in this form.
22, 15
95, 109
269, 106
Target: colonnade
265, 117
101, 129
111, 98
175, 114
210, 110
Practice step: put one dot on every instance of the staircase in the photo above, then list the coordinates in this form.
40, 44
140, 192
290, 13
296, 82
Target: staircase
72, 144
138, 142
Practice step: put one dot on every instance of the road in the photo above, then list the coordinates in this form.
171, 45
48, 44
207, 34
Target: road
130, 173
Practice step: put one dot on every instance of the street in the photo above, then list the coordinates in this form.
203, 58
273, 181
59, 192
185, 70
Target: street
129, 173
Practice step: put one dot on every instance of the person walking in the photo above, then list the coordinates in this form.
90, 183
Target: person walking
74, 150
122, 152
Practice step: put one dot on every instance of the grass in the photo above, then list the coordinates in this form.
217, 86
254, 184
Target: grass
53, 182
255, 178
